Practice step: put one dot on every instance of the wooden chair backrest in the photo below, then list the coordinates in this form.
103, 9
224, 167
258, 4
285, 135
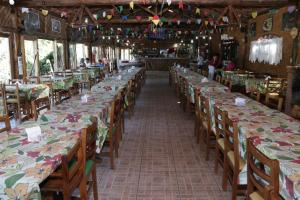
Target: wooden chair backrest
255, 94
89, 139
205, 111
219, 78
3, 98
275, 85
274, 101
76, 157
220, 122
14, 93
33, 80
38, 105
14, 81
262, 173
231, 140
5, 119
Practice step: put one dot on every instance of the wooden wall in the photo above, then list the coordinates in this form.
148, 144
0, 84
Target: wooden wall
244, 45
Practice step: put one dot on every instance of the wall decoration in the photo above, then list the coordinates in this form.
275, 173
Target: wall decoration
56, 25
252, 30
268, 24
288, 21
32, 21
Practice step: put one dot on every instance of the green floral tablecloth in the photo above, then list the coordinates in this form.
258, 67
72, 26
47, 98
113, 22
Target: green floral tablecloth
31, 91
274, 133
255, 84
24, 165
61, 83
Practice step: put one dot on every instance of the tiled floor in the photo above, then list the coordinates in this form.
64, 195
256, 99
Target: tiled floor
159, 158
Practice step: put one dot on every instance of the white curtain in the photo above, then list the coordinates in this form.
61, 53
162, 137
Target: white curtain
268, 51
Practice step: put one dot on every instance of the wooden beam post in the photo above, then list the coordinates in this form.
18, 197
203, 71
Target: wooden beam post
296, 41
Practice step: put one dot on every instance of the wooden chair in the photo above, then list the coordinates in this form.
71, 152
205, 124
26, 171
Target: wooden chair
38, 105
86, 82
69, 175
220, 141
33, 80
130, 98
89, 139
208, 135
262, 184
113, 131
233, 163
63, 95
256, 95
5, 119
3, 99
219, 78
14, 81
274, 100
182, 92
13, 101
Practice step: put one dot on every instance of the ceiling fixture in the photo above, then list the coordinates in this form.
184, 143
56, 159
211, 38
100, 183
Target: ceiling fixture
171, 11
156, 19
11, 2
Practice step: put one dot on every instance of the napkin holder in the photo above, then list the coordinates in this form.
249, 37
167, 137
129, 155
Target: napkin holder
240, 101
34, 134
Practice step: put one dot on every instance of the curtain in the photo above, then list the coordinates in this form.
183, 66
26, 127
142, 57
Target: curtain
267, 51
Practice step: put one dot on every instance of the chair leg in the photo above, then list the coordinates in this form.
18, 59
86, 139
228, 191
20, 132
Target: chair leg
207, 145
217, 159
66, 194
83, 189
111, 155
94, 178
234, 186
225, 174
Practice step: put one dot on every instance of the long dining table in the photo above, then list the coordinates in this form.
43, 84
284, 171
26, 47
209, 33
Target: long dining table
275, 134
24, 165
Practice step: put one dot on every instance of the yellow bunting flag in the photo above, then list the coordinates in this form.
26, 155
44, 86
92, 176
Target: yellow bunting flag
198, 11
131, 4
254, 14
109, 17
45, 12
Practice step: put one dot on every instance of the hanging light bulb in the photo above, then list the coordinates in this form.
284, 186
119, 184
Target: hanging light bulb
196, 37
192, 41
11, 2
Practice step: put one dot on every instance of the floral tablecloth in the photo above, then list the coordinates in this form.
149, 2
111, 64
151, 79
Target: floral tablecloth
61, 83
31, 91
275, 134
24, 165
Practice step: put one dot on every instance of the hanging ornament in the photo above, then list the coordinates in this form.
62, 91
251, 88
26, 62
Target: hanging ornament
188, 21
138, 18
163, 19
155, 20
225, 19
161, 23
150, 18
205, 13
198, 11
63, 14
120, 9
24, 10
180, 5
198, 21
109, 17
254, 14
291, 9
178, 22
45, 12
112, 12
131, 5
104, 14
206, 22
169, 2
125, 18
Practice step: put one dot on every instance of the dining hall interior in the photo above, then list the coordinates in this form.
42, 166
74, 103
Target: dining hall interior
150, 99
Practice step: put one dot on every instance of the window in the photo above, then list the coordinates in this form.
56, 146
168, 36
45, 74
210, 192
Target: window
266, 50
5, 65
31, 57
95, 54
81, 52
126, 54
72, 50
60, 62
46, 56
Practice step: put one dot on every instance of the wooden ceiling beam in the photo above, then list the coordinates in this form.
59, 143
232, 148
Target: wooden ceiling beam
203, 3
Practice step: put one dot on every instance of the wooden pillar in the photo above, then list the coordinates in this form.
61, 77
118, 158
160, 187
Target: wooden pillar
293, 89
67, 54
296, 40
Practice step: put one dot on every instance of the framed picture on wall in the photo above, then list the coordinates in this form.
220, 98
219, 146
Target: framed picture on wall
56, 25
32, 21
268, 24
288, 21
252, 30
